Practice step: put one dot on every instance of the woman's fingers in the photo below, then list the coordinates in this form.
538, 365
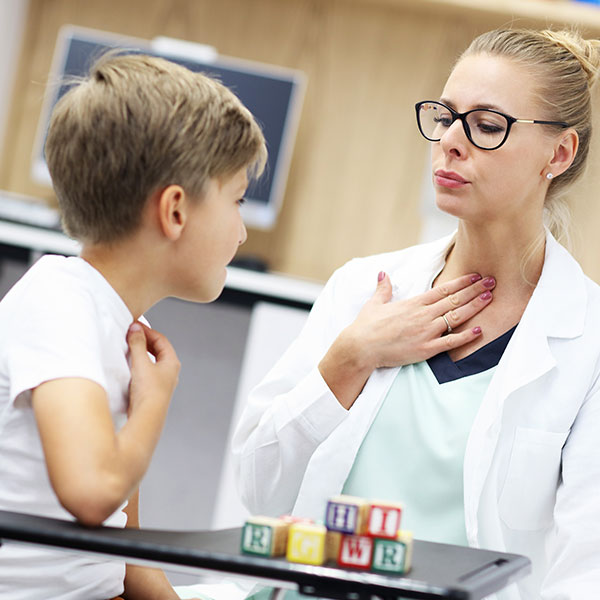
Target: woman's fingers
453, 340
383, 291
445, 290
456, 316
463, 297
455, 302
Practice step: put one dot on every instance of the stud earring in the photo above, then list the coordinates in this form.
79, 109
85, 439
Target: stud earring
549, 176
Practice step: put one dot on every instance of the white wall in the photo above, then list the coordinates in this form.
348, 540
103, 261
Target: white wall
272, 329
13, 14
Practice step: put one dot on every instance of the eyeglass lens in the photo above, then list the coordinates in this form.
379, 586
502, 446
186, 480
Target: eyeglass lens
487, 129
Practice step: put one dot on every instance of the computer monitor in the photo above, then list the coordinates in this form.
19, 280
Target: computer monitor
273, 94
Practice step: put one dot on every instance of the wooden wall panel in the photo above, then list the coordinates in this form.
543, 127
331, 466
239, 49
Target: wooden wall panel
358, 165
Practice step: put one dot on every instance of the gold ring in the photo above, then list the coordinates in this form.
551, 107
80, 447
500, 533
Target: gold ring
448, 328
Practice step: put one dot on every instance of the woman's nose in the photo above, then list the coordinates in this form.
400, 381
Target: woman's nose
454, 140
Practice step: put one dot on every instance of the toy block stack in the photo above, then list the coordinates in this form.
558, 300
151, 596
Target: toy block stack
371, 534
357, 533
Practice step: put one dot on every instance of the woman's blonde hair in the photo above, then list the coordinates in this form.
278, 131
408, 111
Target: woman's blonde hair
565, 66
135, 124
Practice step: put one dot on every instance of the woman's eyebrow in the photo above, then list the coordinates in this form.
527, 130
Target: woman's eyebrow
486, 105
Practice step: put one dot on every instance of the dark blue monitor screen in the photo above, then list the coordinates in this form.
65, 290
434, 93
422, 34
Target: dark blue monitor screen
272, 94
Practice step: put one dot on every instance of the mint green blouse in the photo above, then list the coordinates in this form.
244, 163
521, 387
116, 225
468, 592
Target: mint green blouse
414, 450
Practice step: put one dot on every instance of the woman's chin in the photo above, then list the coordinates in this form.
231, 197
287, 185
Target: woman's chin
450, 206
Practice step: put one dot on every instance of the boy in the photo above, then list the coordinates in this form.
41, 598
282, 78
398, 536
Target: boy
149, 162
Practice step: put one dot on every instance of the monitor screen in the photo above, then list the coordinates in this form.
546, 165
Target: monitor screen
273, 94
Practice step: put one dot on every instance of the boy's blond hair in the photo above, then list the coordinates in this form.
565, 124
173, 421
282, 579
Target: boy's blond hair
135, 124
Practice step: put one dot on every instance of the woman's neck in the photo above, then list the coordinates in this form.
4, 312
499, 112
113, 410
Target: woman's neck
512, 255
509, 252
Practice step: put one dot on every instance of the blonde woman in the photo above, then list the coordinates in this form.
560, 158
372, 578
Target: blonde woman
491, 441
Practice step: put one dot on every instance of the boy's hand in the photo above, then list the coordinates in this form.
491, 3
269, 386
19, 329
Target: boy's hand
151, 378
92, 468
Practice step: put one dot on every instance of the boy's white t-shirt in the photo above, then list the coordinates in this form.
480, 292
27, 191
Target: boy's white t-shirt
62, 319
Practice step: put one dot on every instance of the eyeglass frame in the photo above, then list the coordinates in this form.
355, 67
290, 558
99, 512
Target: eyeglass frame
463, 118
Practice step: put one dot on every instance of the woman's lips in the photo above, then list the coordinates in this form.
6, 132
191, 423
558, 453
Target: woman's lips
449, 179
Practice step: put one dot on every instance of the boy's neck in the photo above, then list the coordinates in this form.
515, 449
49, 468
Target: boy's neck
129, 271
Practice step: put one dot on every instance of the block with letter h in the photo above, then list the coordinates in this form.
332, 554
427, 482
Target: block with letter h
347, 514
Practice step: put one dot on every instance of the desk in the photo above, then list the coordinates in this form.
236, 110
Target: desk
439, 570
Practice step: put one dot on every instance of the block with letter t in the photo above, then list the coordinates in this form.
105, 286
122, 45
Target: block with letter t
356, 551
393, 556
306, 543
347, 514
265, 536
384, 519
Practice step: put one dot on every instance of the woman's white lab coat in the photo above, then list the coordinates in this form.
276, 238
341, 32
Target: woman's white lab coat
532, 462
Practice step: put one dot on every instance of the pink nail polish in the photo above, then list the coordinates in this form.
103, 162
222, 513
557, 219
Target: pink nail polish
489, 282
476, 330
486, 295
475, 278
380, 276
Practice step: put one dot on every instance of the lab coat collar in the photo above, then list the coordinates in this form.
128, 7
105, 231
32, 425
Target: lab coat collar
559, 300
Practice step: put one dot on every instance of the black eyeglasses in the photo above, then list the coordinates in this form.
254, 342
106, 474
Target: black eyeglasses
485, 128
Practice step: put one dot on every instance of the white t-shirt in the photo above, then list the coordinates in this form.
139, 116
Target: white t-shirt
62, 319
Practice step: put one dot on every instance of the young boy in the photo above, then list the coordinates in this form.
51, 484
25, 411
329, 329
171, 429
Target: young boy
150, 164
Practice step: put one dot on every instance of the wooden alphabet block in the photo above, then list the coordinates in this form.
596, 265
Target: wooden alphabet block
347, 514
384, 519
333, 540
356, 551
306, 543
265, 536
291, 519
393, 556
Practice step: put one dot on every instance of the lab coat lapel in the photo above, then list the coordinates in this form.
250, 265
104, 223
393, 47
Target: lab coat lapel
555, 310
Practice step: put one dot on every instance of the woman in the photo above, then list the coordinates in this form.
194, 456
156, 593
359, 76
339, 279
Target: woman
492, 442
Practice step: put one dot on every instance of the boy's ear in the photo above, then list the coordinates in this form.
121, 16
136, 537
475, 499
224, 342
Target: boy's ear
172, 211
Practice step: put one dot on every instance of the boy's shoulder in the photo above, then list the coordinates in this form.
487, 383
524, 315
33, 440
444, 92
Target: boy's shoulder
62, 319
63, 290
49, 277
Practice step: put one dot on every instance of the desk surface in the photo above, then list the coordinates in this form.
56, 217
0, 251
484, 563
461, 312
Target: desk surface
439, 570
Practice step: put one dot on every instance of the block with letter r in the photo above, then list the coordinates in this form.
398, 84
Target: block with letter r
265, 536
392, 556
347, 514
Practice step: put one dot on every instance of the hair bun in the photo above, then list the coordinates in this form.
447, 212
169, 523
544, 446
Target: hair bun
587, 52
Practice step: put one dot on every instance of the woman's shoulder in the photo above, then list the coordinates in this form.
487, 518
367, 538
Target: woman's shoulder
593, 293
412, 257
354, 282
